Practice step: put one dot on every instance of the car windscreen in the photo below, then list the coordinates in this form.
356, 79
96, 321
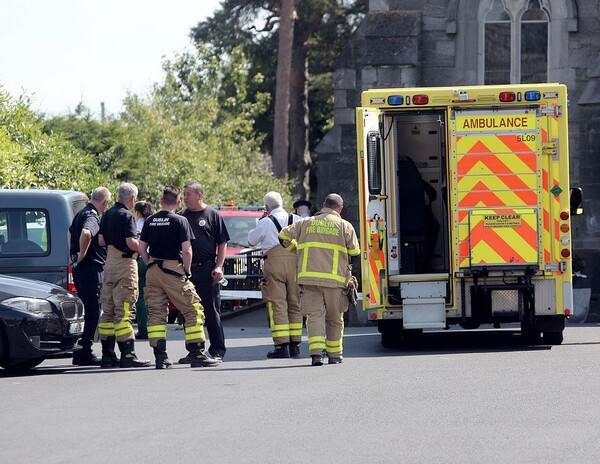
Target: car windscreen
238, 227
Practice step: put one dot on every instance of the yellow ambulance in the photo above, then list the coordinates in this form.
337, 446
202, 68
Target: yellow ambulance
465, 207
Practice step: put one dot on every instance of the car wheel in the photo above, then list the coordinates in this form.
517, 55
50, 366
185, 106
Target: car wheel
25, 365
3, 350
553, 338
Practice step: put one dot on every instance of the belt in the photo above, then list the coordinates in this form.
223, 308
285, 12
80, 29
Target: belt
200, 264
131, 255
159, 262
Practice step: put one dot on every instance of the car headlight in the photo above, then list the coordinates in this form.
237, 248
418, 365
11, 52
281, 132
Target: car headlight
28, 305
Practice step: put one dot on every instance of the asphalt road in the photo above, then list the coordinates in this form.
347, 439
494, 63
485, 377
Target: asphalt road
455, 398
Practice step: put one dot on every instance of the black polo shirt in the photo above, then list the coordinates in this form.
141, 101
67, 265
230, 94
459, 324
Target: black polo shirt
116, 225
164, 232
210, 232
87, 218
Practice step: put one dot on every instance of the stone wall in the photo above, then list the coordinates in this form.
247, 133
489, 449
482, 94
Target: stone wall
417, 43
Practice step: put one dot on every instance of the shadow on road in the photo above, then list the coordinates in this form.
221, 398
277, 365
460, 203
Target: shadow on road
447, 342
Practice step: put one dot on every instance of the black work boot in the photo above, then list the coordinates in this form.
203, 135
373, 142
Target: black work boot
335, 359
128, 357
160, 353
317, 360
187, 359
280, 351
85, 356
199, 357
109, 358
295, 350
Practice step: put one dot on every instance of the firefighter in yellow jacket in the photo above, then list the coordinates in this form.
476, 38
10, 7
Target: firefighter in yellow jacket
325, 245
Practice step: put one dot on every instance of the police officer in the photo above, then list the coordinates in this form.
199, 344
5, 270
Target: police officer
302, 207
279, 288
120, 288
88, 257
325, 244
209, 251
165, 245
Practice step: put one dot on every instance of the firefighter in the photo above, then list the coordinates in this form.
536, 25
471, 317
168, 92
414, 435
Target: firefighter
120, 287
325, 244
279, 288
165, 245
87, 258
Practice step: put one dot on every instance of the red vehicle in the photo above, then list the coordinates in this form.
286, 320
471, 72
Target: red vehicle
243, 264
239, 220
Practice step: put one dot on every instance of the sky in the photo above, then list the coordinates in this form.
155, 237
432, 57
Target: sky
63, 52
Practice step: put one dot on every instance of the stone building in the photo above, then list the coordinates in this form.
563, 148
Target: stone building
417, 43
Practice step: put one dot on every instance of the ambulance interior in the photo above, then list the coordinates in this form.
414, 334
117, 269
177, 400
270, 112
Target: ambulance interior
418, 145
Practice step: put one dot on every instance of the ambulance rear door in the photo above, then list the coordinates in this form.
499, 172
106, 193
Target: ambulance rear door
372, 207
497, 173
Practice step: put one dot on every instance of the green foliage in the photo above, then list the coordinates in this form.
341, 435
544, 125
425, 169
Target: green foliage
246, 24
198, 124
31, 158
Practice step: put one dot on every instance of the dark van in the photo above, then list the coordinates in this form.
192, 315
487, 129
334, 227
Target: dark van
33, 233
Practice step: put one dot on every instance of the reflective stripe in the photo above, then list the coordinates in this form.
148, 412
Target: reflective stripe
196, 332
336, 346
106, 328
285, 237
327, 246
322, 275
124, 327
277, 330
353, 251
157, 331
316, 343
333, 275
295, 329
332, 344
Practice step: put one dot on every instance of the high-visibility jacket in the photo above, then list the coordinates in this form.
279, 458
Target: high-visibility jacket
324, 244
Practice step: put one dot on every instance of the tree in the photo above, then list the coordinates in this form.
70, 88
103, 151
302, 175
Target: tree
321, 30
198, 124
282, 90
31, 158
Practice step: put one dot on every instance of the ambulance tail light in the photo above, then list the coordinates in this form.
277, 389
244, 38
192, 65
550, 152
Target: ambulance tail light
420, 99
507, 97
564, 215
533, 95
565, 252
374, 162
70, 280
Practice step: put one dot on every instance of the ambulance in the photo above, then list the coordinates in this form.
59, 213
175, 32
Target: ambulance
465, 208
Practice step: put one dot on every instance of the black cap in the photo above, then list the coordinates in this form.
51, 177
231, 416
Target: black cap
302, 203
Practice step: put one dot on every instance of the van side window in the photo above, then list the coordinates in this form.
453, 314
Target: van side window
24, 232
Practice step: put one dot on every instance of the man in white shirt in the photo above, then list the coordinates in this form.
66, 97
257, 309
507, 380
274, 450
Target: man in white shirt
279, 288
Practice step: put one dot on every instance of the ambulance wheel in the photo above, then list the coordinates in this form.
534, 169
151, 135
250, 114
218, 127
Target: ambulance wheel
412, 336
553, 338
470, 324
391, 339
391, 333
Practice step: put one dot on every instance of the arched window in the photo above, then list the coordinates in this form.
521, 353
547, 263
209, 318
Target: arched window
515, 41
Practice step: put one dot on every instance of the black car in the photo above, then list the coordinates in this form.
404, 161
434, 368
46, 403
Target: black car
37, 320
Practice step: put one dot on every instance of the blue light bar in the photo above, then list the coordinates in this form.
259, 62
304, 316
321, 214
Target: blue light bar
395, 100
532, 95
